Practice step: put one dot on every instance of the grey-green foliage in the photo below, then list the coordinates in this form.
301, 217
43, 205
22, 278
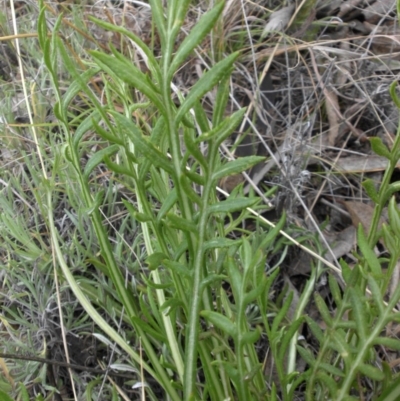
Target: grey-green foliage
348, 347
173, 185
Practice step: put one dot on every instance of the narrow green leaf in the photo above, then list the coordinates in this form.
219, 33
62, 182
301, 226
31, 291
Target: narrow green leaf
387, 370
42, 27
340, 344
391, 240
196, 35
128, 73
151, 60
25, 395
235, 278
140, 217
255, 292
335, 290
369, 187
346, 325
281, 314
358, 313
118, 168
194, 150
392, 343
205, 84
180, 223
231, 205
394, 300
49, 65
88, 123
392, 89
376, 294
368, 253
256, 269
398, 16
158, 132
220, 243
76, 85
379, 147
332, 369
245, 254
290, 332
178, 268
392, 393
274, 232
148, 329
306, 354
220, 321
315, 329
172, 304
329, 383
93, 122
55, 42
98, 200
165, 285
201, 117
180, 250
250, 337
323, 309
157, 13
59, 112
346, 271
394, 217
237, 166
155, 260
224, 129
232, 372
213, 279
5, 397
175, 17
391, 190
371, 372
221, 101
156, 139
194, 177
167, 204
97, 158
189, 191
128, 128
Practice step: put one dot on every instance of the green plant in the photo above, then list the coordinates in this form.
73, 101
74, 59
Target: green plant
348, 347
177, 284
182, 221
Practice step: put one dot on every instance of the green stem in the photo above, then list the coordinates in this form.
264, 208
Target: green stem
243, 389
373, 232
194, 309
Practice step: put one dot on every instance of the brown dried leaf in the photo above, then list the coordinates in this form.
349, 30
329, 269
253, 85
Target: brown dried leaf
343, 242
229, 183
332, 109
362, 164
361, 213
